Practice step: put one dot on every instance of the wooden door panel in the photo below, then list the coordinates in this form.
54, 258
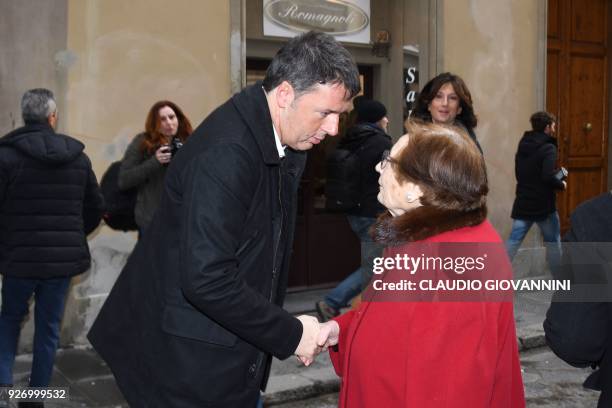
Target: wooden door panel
552, 83
577, 92
586, 106
582, 184
298, 271
334, 249
553, 19
588, 21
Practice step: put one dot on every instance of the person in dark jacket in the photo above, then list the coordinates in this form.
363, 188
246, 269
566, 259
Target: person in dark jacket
536, 187
148, 155
578, 323
446, 100
49, 202
369, 139
196, 314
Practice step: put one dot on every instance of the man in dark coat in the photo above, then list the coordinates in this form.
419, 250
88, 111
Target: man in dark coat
537, 183
368, 139
49, 202
578, 324
195, 315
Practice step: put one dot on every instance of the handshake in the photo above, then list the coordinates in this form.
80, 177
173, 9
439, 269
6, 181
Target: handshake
316, 338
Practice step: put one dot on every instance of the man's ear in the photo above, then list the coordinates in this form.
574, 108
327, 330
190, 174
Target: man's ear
52, 119
284, 94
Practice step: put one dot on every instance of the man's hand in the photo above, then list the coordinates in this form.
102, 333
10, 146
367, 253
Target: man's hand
308, 347
328, 335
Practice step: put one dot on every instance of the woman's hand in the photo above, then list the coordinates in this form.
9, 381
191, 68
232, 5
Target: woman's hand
163, 154
329, 334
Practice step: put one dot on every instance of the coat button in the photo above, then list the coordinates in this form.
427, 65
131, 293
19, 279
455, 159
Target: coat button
252, 368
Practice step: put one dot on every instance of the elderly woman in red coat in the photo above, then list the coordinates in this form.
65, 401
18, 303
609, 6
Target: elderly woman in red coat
460, 354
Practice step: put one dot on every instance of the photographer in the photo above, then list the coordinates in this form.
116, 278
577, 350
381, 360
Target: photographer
537, 181
148, 155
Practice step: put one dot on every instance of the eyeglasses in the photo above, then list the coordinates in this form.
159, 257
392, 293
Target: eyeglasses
385, 158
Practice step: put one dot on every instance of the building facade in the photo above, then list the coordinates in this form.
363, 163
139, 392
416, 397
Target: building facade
109, 61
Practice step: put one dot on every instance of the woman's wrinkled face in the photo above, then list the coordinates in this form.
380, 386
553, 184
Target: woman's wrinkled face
395, 196
168, 122
445, 106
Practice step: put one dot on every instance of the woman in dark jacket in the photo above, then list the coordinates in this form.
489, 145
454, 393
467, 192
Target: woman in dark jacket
447, 100
146, 158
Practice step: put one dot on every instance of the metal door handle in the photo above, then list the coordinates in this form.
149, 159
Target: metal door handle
587, 127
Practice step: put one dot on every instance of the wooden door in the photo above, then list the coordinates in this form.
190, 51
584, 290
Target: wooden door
577, 93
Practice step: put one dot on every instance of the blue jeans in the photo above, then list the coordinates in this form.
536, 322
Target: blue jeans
353, 284
50, 298
551, 231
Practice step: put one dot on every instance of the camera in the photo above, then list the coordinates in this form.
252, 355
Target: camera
561, 175
174, 146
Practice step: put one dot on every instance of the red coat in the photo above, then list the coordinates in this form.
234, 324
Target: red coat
431, 354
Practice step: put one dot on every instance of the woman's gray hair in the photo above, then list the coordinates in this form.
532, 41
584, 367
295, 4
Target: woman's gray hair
36, 105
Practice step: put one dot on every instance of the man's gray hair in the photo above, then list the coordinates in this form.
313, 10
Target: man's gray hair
37, 105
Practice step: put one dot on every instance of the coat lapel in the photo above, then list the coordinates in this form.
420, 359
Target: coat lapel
253, 107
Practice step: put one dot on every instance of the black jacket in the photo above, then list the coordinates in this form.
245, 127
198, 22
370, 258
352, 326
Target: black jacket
578, 326
369, 141
195, 315
49, 202
536, 184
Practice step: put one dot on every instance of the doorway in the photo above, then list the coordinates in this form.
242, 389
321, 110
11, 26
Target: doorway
577, 93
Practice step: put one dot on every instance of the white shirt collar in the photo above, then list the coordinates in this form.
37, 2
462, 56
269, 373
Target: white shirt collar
279, 145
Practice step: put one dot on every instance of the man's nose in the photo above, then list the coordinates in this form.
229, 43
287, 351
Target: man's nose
330, 125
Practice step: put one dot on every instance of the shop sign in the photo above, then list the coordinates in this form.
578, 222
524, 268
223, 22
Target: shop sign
346, 19
411, 83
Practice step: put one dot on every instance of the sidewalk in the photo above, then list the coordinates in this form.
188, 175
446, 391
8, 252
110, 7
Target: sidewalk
291, 381
91, 383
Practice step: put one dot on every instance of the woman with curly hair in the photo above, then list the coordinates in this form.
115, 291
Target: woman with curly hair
447, 100
146, 158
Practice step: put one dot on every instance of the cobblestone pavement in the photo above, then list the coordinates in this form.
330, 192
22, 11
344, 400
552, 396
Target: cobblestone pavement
549, 383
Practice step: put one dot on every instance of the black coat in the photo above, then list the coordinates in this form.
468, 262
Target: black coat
369, 142
579, 331
49, 201
195, 315
536, 184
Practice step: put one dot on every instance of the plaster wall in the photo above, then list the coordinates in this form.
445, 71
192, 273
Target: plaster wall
120, 58
497, 47
493, 46
108, 62
27, 53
